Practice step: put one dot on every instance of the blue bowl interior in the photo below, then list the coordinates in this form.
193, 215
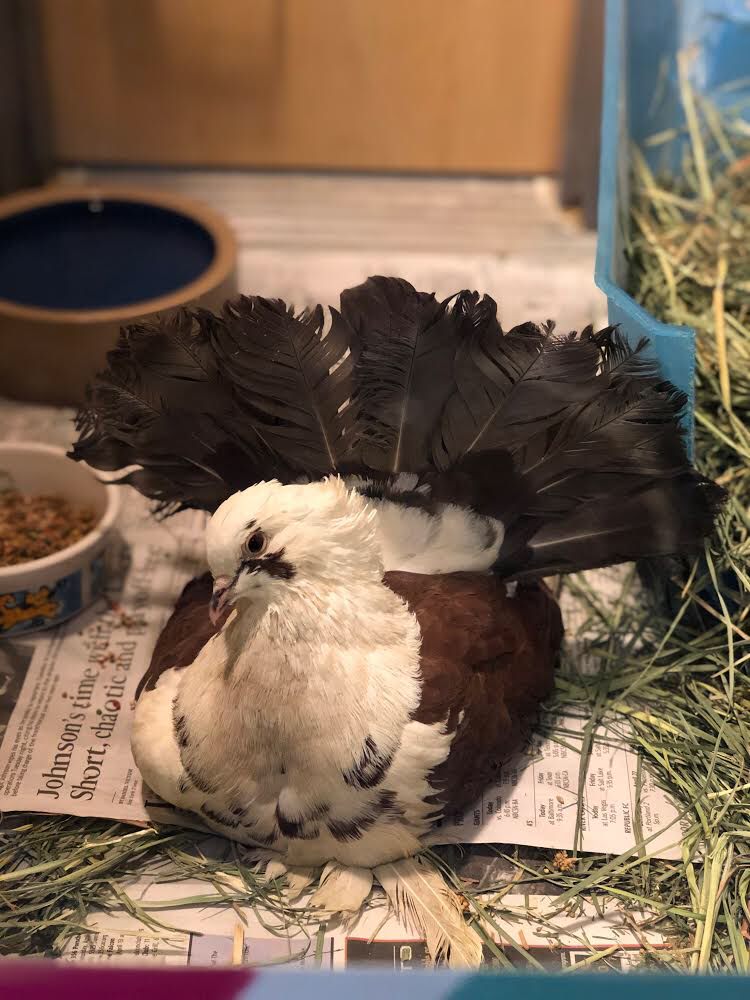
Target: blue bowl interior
641, 98
83, 255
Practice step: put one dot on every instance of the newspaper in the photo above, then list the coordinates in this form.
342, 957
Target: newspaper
66, 747
535, 801
218, 935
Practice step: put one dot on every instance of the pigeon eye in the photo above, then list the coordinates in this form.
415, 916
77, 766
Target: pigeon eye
256, 544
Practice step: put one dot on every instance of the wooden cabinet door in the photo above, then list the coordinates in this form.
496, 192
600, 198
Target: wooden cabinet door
416, 85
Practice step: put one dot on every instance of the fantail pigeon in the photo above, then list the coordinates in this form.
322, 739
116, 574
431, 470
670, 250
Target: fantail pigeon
386, 495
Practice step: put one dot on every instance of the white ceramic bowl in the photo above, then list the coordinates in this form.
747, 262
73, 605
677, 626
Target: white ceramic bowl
44, 592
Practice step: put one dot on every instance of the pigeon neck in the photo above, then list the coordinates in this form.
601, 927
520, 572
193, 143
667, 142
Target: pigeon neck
317, 616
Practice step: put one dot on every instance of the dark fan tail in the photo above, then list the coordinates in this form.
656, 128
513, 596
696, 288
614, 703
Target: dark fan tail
572, 442
294, 383
513, 385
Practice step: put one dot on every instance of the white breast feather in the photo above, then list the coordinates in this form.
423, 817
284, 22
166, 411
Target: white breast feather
278, 709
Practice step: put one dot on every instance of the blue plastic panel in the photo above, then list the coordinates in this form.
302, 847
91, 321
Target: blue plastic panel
641, 98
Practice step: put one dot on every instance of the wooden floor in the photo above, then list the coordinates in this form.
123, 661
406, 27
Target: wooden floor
304, 237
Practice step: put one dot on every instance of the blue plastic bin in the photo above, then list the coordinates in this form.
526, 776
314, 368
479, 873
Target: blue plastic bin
641, 98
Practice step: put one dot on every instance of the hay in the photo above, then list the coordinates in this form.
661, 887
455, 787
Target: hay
56, 869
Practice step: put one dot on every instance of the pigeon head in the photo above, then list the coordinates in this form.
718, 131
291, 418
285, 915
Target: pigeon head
271, 538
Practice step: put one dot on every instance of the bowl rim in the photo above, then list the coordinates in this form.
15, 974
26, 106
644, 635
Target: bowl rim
100, 529
225, 252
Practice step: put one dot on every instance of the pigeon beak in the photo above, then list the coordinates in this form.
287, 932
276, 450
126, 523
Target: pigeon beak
221, 597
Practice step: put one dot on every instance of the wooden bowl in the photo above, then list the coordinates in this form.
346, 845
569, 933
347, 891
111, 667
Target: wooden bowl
76, 264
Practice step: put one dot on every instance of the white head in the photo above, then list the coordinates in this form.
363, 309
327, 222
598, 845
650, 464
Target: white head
270, 539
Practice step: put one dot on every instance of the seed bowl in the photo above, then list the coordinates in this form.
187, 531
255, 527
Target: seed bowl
43, 592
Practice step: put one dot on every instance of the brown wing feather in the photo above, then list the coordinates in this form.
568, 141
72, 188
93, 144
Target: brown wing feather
186, 632
488, 655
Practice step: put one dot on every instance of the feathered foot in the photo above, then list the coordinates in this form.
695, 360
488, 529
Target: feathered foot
342, 889
297, 879
417, 892
337, 888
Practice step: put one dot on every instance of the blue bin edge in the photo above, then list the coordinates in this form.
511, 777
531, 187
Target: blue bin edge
673, 346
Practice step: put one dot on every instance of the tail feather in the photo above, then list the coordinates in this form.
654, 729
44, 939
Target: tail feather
294, 383
573, 443
422, 899
207, 405
660, 520
513, 385
613, 482
161, 406
406, 349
